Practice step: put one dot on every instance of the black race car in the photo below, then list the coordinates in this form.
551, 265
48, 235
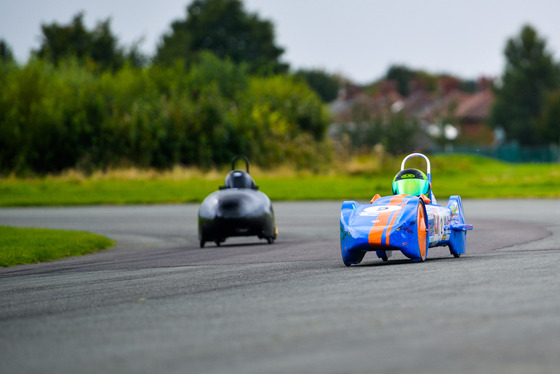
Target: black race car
236, 209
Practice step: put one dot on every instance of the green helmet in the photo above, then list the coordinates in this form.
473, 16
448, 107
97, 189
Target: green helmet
411, 182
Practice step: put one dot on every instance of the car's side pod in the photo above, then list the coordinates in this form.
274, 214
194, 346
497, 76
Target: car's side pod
458, 239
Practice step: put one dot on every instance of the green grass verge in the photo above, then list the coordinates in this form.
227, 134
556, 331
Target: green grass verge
31, 245
467, 176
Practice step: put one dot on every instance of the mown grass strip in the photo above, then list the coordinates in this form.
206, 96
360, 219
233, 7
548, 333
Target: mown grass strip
33, 245
467, 176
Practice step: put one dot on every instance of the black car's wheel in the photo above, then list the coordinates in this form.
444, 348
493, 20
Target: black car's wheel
202, 242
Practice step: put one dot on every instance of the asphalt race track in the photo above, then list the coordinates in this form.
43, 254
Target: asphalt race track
157, 303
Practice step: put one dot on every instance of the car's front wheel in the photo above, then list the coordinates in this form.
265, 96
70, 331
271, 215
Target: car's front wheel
422, 224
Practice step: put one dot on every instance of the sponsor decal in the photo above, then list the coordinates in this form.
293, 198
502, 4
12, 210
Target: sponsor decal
404, 176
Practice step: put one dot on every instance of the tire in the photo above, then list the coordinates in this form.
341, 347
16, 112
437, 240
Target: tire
422, 224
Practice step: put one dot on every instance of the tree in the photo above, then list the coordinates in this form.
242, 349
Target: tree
324, 84
5, 52
402, 75
224, 28
548, 122
400, 134
529, 74
74, 40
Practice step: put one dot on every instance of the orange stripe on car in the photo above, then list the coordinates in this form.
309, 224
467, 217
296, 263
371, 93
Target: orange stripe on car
400, 202
380, 225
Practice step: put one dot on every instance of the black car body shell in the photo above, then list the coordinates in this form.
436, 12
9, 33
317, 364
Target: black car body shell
237, 209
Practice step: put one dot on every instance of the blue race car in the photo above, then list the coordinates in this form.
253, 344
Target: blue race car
410, 221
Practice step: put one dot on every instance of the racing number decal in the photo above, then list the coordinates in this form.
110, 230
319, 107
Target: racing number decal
375, 210
437, 224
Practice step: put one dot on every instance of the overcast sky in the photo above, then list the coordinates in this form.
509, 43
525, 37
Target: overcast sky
357, 38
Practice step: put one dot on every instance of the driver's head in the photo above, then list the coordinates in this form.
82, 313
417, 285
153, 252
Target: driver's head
239, 179
411, 182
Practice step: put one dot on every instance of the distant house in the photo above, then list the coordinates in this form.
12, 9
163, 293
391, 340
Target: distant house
355, 105
449, 104
473, 112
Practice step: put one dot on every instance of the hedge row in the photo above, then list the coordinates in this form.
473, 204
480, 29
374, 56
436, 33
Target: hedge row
70, 116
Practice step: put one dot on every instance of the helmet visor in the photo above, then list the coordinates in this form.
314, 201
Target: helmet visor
412, 186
